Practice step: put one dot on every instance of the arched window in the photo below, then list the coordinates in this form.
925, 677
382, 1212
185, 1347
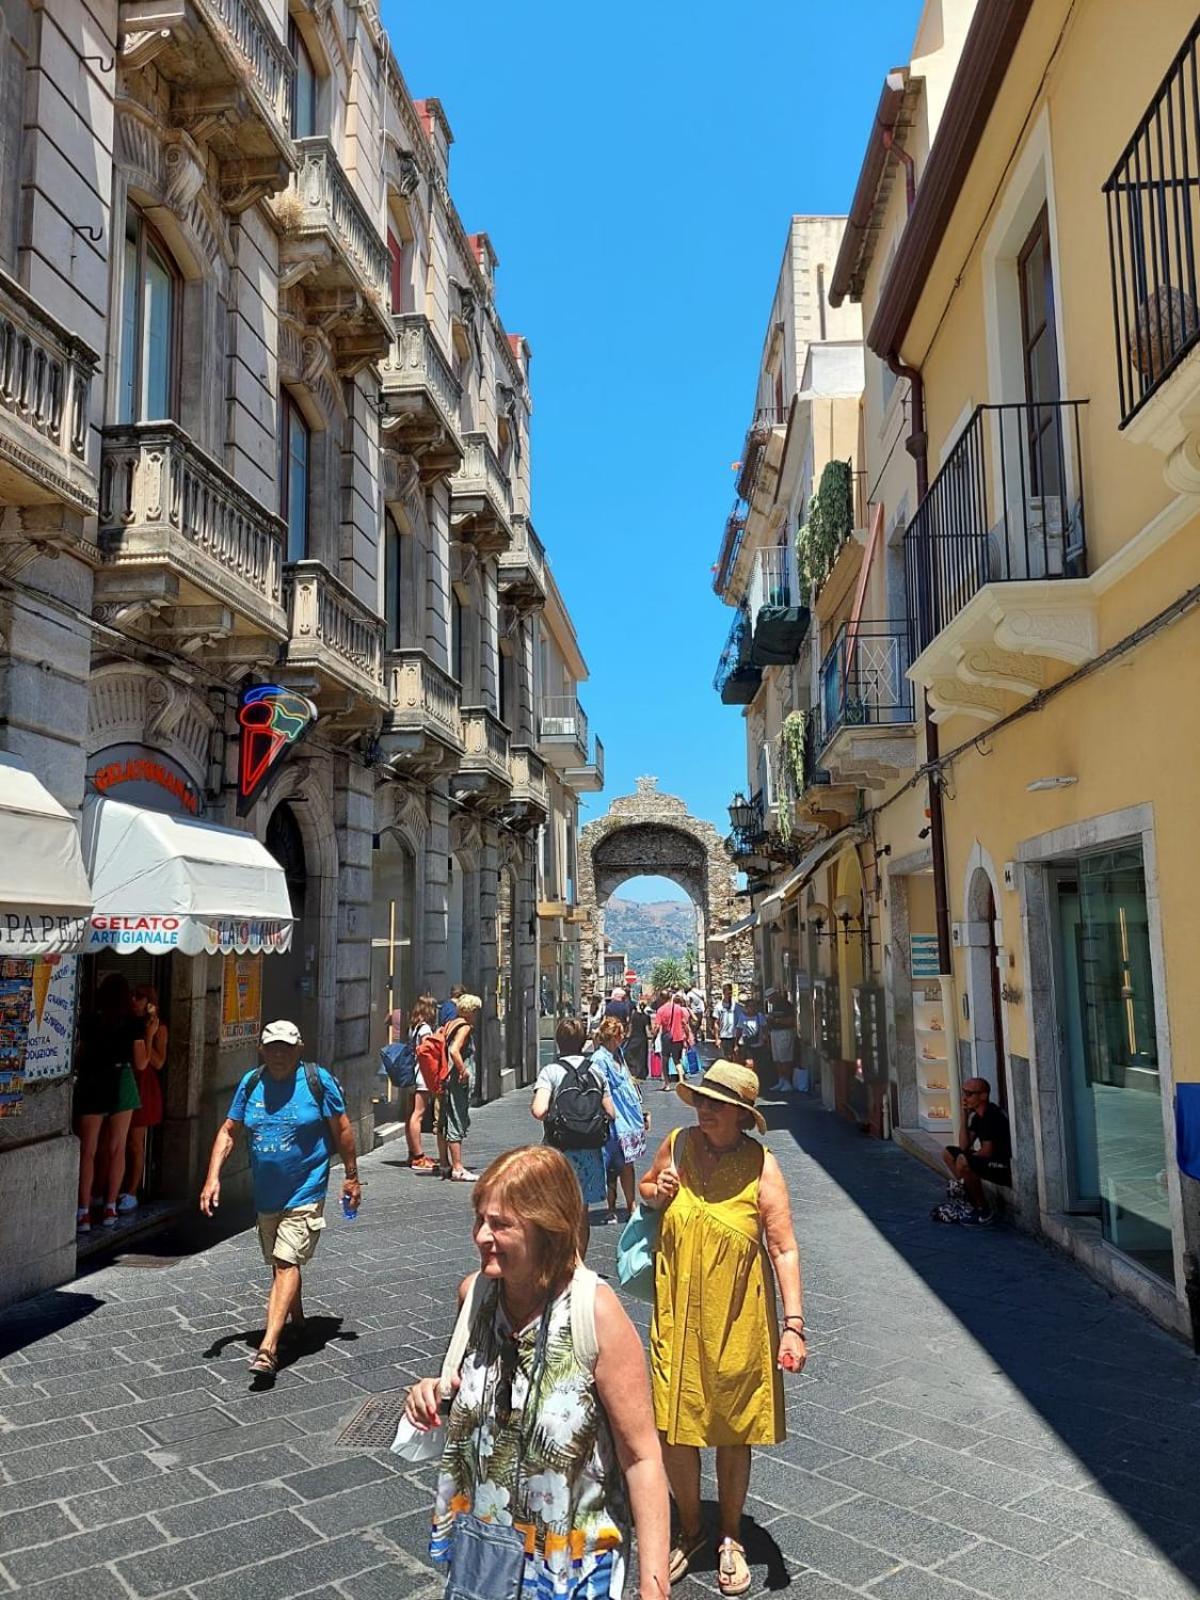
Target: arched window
304, 89
149, 309
295, 462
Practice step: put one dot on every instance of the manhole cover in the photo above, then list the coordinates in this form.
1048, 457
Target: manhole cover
132, 1260
373, 1425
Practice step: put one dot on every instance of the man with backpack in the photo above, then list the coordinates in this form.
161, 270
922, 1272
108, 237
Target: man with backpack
572, 1102
293, 1114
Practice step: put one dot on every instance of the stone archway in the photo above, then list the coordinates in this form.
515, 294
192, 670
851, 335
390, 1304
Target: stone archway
649, 832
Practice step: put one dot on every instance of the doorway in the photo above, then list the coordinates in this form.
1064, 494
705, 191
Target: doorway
289, 978
141, 970
394, 982
1114, 1142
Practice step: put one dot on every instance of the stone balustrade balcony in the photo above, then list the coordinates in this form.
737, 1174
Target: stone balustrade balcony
45, 377
332, 246
186, 551
230, 76
522, 568
485, 773
481, 498
423, 726
335, 644
530, 788
421, 399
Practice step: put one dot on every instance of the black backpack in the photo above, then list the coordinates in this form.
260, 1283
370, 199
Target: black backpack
576, 1119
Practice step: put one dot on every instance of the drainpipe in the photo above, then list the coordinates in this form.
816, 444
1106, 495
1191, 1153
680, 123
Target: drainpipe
917, 445
910, 168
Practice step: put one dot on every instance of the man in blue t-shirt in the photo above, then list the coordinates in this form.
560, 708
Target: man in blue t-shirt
288, 1133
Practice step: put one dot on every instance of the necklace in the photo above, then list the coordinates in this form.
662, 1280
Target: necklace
719, 1150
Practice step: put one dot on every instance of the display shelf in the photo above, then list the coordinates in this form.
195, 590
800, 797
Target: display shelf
933, 1124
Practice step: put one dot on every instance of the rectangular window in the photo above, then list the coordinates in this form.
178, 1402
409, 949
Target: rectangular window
456, 639
505, 689
156, 401
391, 583
397, 266
304, 92
127, 395
146, 362
294, 454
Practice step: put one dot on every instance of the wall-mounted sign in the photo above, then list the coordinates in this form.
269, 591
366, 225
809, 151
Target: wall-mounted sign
48, 1048
16, 1005
923, 956
140, 777
271, 721
241, 999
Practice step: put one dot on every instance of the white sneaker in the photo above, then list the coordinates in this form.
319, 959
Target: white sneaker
83, 1220
109, 1219
127, 1202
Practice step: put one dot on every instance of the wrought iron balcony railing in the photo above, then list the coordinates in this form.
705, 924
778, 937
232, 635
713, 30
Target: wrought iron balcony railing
737, 679
1153, 201
863, 682
1006, 507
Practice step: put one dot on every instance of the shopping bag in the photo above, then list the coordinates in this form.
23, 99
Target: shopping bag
691, 1062
635, 1253
655, 1064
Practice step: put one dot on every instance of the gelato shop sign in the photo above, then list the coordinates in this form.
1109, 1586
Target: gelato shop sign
137, 932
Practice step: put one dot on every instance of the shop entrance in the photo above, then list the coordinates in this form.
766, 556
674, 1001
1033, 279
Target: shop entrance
289, 978
1112, 1105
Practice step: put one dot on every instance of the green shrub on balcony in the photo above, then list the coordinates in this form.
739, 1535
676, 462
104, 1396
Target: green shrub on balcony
828, 526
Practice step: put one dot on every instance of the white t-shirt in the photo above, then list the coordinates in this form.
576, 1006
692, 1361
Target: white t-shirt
553, 1073
730, 1018
415, 1035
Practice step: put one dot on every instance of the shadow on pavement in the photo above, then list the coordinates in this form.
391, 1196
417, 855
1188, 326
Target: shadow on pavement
51, 1312
1114, 1391
314, 1335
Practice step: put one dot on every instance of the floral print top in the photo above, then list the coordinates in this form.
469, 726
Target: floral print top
570, 1501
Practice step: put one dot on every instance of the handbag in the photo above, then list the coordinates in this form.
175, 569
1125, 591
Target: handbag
635, 1252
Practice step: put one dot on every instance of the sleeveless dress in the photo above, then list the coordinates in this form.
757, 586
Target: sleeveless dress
714, 1337
571, 1503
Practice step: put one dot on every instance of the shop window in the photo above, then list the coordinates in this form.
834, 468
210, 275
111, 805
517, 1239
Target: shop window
149, 310
305, 86
295, 463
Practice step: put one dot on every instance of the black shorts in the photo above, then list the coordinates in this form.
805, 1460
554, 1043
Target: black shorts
993, 1171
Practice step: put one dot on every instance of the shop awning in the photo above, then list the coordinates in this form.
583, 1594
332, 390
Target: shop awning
772, 906
45, 897
743, 926
163, 883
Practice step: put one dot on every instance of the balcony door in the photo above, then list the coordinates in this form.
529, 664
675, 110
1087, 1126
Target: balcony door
1039, 348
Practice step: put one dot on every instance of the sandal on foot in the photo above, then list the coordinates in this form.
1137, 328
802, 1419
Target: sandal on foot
682, 1551
264, 1364
733, 1575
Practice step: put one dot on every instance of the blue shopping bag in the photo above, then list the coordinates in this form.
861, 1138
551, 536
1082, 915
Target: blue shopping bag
691, 1062
635, 1253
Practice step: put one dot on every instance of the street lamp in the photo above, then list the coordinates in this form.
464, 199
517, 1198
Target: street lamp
743, 815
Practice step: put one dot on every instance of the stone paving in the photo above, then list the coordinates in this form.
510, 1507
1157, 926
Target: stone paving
978, 1417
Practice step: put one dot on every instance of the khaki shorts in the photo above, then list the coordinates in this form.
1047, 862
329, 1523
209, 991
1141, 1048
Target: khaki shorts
291, 1236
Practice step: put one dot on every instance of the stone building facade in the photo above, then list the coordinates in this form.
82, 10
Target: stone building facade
261, 423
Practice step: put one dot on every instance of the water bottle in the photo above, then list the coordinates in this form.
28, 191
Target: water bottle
349, 1211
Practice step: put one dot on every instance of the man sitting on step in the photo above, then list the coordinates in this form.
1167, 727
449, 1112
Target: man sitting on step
984, 1152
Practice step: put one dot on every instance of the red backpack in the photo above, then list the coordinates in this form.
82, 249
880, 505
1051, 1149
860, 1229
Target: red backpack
433, 1057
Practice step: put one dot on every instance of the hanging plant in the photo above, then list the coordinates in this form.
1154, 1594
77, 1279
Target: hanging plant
783, 814
791, 740
829, 524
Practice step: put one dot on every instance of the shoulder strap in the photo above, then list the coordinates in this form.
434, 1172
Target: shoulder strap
252, 1080
583, 1317
461, 1337
312, 1076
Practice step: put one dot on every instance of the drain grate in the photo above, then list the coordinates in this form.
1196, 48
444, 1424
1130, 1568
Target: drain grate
373, 1425
134, 1260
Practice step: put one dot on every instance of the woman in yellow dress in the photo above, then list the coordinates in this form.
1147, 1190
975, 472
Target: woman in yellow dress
715, 1348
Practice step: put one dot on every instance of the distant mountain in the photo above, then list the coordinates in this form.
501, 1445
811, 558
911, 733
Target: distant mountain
647, 930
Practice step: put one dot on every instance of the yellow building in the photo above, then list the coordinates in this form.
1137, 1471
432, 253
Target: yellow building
1023, 244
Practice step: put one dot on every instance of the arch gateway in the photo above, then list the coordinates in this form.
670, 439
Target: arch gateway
649, 832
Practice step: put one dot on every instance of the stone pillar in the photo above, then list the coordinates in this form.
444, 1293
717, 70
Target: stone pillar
435, 976
490, 1065
354, 816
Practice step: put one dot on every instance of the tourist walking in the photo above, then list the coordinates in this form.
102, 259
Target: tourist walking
454, 1100
637, 1043
550, 1440
729, 1021
421, 1021
112, 1056
579, 1125
595, 1015
290, 1112
674, 1025
618, 1005
627, 1140
726, 1237
149, 1113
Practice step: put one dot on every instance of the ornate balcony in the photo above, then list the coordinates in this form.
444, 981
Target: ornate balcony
335, 648
868, 735
562, 731
421, 400
423, 728
230, 77
530, 805
523, 568
45, 375
995, 562
189, 556
737, 678
333, 247
484, 776
481, 498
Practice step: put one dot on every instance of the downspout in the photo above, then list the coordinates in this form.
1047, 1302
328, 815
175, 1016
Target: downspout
917, 445
890, 143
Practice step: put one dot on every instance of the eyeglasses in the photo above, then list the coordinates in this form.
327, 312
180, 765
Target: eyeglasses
504, 1385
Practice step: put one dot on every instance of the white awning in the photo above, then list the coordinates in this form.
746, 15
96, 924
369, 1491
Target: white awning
772, 906
743, 926
164, 883
44, 893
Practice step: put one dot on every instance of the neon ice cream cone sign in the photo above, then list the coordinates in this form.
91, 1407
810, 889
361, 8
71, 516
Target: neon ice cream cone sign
272, 720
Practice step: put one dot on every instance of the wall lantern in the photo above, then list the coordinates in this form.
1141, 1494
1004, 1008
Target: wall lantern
847, 911
743, 815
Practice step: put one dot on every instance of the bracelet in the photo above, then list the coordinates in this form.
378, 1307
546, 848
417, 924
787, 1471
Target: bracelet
801, 1330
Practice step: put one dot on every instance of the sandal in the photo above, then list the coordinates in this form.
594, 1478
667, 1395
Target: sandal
463, 1175
682, 1551
733, 1575
264, 1363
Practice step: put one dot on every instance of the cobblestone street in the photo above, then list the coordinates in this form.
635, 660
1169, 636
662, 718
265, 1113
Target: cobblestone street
978, 1418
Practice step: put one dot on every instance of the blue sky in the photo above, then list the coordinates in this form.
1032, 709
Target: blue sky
635, 167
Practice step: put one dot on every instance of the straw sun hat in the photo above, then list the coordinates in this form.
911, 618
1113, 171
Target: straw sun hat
729, 1083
